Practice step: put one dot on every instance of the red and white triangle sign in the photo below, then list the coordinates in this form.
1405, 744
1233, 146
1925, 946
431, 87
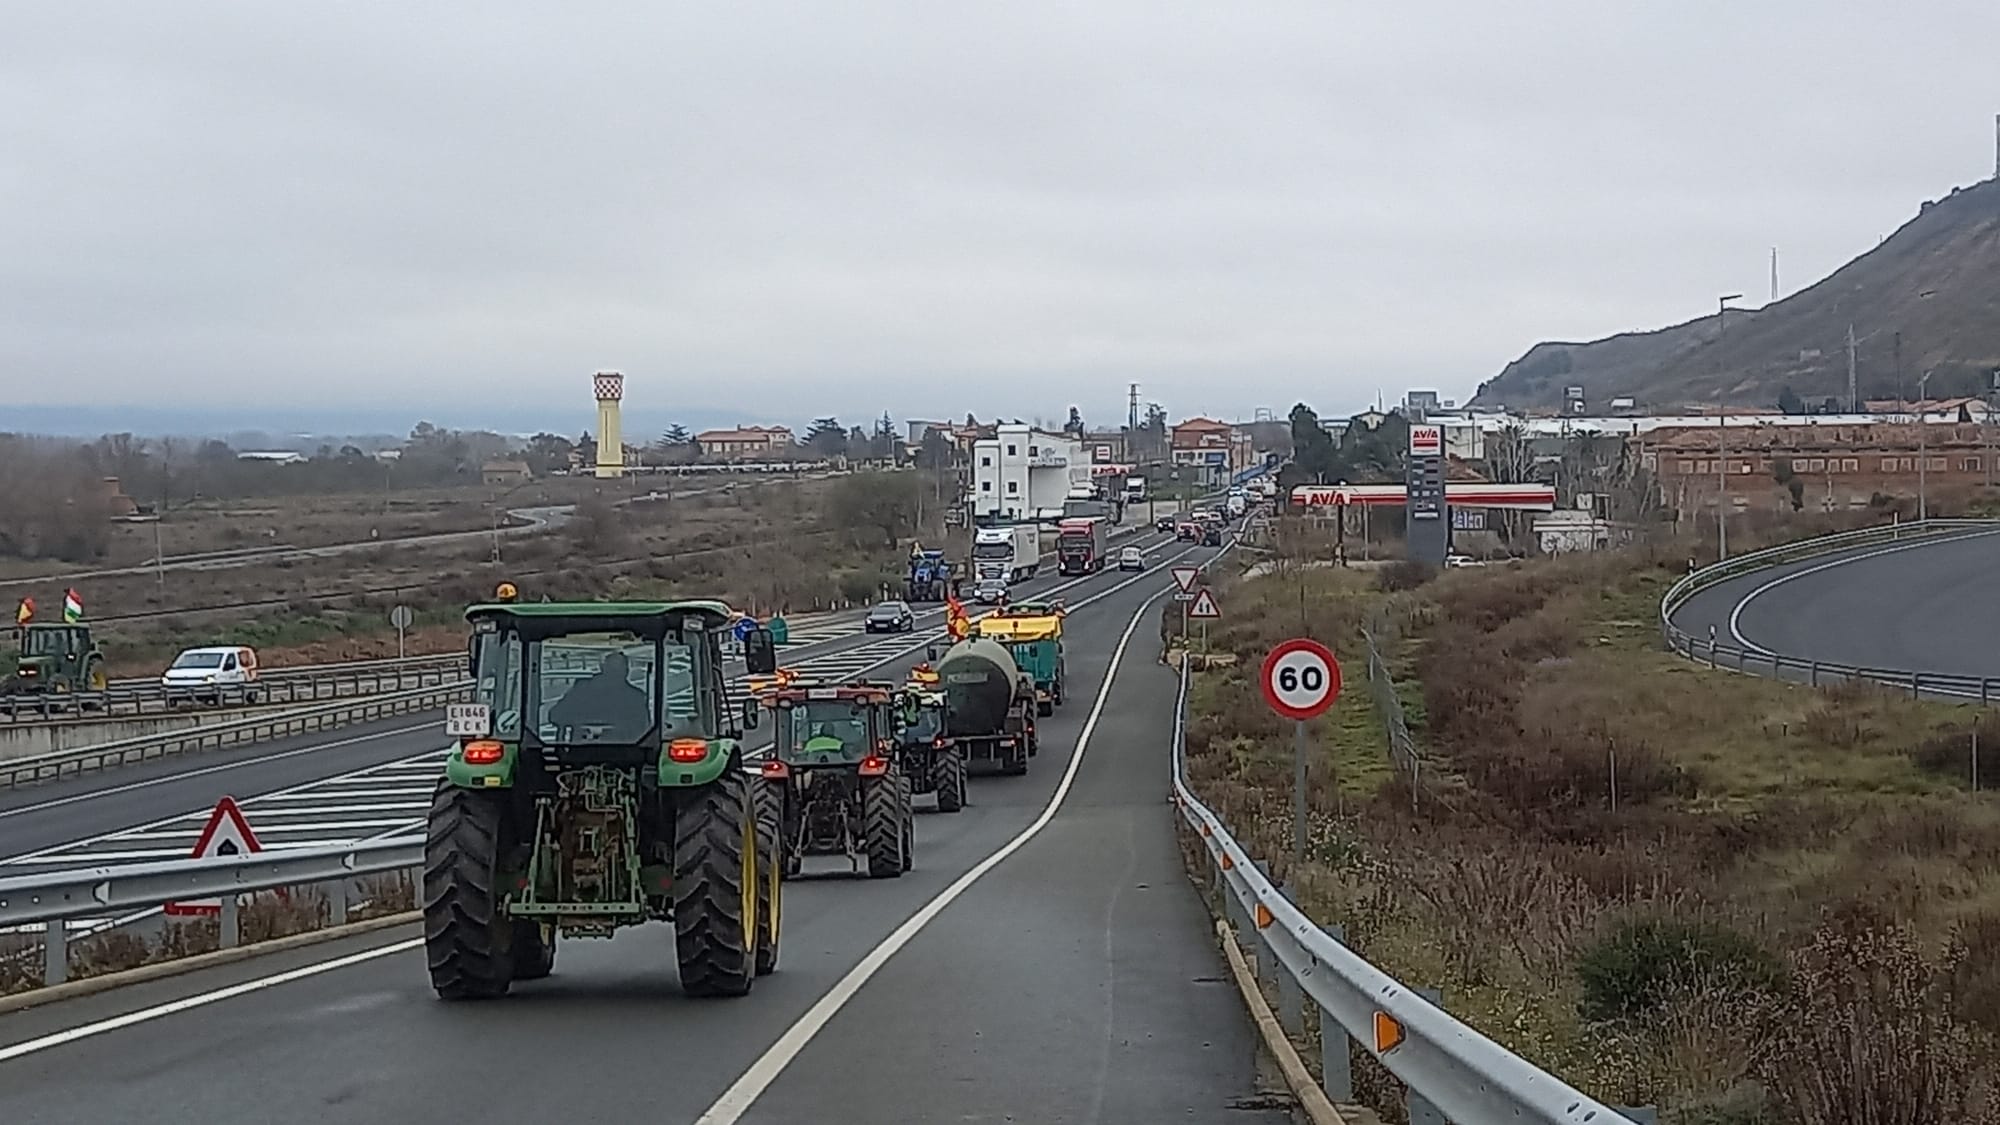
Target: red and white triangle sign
227, 833
1204, 606
1184, 577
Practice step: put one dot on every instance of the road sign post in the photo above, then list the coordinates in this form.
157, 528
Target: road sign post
1301, 679
1204, 610
1184, 577
401, 617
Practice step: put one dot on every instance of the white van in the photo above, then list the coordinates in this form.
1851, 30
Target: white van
213, 675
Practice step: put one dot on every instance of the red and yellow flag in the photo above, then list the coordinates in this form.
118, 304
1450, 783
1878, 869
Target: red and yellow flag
956, 623
25, 612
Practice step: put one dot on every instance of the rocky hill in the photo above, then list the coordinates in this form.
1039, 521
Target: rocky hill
1927, 298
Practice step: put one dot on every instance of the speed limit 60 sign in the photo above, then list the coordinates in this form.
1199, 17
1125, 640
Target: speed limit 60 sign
1301, 679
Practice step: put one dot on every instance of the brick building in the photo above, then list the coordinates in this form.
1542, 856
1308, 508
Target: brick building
1838, 465
746, 442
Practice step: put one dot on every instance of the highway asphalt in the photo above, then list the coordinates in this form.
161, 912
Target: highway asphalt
1925, 605
1075, 982
78, 809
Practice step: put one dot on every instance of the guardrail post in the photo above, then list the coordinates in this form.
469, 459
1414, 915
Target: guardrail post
1812, 673
1267, 961
55, 952
1640, 1114
1711, 656
1983, 681
1915, 679
1336, 1065
336, 903
1419, 1108
1291, 998
1741, 657
228, 923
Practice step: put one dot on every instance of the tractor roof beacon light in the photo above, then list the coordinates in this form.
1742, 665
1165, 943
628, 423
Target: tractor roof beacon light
506, 592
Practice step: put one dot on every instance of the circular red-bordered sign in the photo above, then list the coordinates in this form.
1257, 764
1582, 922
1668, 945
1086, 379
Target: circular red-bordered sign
1301, 679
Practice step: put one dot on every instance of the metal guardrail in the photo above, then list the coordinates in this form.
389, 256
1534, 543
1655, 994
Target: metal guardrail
47, 767
274, 687
1819, 673
1468, 1078
50, 899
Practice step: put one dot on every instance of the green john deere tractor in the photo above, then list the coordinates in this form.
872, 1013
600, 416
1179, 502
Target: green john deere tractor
55, 659
597, 782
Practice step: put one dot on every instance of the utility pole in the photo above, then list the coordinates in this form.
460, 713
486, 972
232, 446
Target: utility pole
1774, 273
1923, 461
1721, 443
1853, 399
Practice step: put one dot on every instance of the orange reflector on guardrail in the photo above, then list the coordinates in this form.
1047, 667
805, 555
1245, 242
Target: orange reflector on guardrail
1263, 916
1388, 1033
1204, 828
1227, 863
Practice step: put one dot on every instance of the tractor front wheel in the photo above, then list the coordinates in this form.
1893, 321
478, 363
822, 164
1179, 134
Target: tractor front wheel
467, 940
882, 805
715, 888
534, 950
948, 777
770, 872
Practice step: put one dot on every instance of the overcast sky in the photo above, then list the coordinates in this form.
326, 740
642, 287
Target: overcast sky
930, 207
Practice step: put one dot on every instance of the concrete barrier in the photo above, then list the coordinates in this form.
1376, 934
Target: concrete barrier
30, 739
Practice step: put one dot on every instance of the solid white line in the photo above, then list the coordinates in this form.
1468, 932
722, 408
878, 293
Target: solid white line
736, 1100
1736, 614
772, 1063
130, 786
143, 1015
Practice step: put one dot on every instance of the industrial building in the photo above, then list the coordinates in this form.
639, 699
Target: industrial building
1021, 471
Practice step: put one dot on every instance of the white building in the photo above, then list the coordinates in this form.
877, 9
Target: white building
1024, 471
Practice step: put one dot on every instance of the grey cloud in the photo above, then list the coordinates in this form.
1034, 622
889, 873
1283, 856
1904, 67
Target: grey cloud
930, 207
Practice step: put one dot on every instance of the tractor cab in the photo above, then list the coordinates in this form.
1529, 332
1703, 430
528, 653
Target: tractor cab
844, 725
56, 658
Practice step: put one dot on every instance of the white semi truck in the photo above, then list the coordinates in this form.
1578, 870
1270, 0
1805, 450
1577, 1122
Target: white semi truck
1002, 556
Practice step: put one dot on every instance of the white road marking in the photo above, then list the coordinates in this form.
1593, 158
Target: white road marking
1736, 613
736, 1100
773, 1061
149, 783
85, 1031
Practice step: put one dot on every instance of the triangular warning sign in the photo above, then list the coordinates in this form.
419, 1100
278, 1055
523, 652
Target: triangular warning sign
1184, 577
227, 833
1204, 606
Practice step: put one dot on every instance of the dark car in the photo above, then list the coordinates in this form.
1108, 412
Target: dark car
890, 617
1164, 523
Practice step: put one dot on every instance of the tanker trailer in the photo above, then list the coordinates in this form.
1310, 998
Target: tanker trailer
989, 705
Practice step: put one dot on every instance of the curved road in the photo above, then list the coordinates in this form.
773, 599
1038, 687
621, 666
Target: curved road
1927, 605
1073, 978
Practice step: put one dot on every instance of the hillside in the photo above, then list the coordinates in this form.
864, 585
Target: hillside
1936, 281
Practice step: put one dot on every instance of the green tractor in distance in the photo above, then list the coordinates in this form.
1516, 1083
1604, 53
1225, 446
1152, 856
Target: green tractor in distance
597, 782
834, 782
934, 765
55, 659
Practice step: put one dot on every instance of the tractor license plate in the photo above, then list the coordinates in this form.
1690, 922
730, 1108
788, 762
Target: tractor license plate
468, 720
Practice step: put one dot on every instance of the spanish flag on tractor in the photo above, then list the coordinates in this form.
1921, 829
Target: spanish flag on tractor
956, 623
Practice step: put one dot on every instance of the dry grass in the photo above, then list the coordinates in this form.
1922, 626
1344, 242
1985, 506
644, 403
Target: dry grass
1761, 813
266, 917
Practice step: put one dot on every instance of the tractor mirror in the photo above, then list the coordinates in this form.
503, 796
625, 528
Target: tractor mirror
760, 653
472, 658
931, 654
750, 709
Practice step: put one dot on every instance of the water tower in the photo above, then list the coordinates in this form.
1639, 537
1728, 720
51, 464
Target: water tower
610, 387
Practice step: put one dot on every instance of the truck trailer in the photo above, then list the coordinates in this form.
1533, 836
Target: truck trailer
1080, 545
1010, 554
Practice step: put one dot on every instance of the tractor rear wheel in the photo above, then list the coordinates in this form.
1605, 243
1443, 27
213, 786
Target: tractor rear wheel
882, 826
770, 872
948, 777
715, 887
469, 944
534, 950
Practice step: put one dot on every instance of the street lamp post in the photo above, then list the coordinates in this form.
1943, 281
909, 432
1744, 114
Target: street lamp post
1721, 432
1923, 449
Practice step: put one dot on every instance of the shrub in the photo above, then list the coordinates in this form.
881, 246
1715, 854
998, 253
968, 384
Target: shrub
1642, 963
1866, 1035
1407, 574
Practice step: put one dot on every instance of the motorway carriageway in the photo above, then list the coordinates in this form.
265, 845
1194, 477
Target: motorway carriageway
364, 782
1045, 961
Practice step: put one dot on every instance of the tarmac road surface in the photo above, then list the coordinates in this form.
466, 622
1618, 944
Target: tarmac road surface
1926, 605
1076, 980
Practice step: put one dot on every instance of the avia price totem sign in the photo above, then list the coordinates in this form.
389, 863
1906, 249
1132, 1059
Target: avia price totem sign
1426, 531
